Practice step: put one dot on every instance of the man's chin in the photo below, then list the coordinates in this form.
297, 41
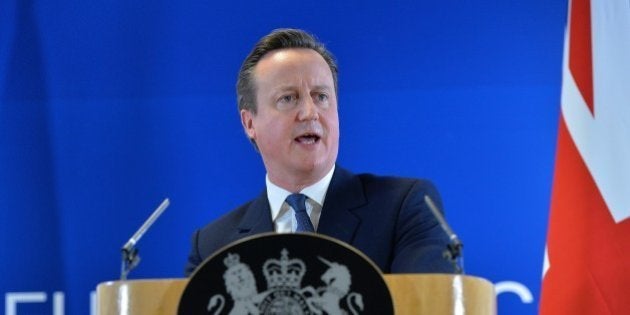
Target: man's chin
314, 167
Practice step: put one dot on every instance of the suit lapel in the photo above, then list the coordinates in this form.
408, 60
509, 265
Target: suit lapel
344, 195
257, 218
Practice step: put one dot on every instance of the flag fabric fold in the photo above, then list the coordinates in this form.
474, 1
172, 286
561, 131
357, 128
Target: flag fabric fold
587, 260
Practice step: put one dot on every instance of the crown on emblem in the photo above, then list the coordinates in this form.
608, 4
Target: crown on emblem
284, 273
232, 260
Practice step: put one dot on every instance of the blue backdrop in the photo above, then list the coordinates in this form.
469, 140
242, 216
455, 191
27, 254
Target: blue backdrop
107, 107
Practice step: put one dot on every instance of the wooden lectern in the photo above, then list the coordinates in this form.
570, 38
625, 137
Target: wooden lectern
433, 294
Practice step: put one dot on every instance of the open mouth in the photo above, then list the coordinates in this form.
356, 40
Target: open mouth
308, 138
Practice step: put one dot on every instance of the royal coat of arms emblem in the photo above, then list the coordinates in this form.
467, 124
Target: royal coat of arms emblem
284, 293
287, 274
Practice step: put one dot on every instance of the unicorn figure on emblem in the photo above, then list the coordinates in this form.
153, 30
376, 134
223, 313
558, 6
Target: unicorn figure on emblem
328, 298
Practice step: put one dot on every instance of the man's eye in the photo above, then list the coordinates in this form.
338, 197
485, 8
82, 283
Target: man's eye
287, 102
322, 97
287, 99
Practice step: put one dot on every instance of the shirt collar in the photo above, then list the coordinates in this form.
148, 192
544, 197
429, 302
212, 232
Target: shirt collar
315, 192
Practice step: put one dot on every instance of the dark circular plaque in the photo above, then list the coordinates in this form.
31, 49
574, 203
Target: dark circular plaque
287, 274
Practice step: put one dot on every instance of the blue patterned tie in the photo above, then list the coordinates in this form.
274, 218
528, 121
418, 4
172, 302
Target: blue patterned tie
298, 203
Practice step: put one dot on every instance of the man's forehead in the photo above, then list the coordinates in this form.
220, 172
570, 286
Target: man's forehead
284, 53
280, 65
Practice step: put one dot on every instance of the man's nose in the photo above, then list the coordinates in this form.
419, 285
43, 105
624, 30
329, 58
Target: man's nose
308, 110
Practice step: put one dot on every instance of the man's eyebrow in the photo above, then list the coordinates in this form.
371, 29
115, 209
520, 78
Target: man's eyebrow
285, 88
322, 87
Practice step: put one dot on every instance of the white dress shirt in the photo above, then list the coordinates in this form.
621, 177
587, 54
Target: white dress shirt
283, 215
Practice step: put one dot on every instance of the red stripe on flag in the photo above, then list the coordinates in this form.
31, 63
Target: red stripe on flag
588, 253
580, 49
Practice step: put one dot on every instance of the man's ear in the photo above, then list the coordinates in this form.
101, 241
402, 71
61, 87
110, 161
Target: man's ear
247, 120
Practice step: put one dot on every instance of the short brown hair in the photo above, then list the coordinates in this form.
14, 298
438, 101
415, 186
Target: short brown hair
277, 39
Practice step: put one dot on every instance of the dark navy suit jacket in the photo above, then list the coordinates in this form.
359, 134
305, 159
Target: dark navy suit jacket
384, 217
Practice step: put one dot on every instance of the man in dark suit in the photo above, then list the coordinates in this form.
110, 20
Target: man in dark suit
287, 97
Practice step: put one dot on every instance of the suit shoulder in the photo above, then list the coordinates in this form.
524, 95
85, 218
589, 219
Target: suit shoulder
395, 182
394, 187
228, 219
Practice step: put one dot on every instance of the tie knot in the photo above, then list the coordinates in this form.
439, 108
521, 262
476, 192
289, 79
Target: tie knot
297, 202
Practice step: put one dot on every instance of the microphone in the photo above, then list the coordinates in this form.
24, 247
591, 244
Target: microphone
454, 250
130, 257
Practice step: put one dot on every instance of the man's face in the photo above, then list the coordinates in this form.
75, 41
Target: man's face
296, 127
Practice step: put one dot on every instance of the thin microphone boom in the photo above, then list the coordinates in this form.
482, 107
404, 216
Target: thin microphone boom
438, 215
454, 249
147, 224
130, 258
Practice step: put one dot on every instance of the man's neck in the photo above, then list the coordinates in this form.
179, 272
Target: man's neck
296, 184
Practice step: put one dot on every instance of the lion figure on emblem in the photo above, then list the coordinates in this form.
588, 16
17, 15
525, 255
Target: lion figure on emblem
241, 285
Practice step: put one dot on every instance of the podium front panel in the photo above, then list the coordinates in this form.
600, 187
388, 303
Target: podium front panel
413, 294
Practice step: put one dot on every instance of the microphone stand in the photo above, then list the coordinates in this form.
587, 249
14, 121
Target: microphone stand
454, 250
130, 257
